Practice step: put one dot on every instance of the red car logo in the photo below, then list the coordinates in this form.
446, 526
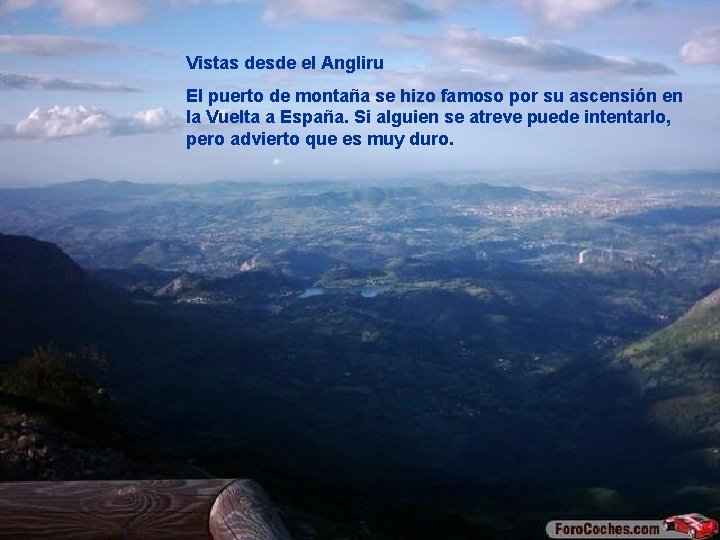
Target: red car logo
694, 525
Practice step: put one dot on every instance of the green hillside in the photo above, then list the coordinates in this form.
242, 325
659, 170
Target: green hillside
679, 367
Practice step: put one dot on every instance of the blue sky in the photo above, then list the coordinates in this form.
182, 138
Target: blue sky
96, 88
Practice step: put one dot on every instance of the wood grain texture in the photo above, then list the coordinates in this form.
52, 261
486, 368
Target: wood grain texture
243, 511
132, 510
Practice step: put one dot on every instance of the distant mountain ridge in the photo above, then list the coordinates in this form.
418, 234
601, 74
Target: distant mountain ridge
327, 192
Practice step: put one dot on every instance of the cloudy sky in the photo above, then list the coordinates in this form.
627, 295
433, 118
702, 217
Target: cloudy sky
96, 88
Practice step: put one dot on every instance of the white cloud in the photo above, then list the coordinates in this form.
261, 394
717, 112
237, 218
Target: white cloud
703, 48
470, 48
63, 122
564, 13
384, 11
21, 81
570, 12
102, 12
86, 12
51, 45
148, 121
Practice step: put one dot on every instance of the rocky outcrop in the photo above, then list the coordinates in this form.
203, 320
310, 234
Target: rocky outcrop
31, 448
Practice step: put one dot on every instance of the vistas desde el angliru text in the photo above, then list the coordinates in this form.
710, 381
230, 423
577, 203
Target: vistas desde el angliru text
327, 62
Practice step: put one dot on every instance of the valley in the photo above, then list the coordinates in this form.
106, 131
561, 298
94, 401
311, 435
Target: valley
360, 349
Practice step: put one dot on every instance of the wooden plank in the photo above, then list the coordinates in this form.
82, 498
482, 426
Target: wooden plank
132, 510
243, 511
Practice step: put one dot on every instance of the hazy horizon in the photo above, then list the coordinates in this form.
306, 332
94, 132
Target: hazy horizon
521, 178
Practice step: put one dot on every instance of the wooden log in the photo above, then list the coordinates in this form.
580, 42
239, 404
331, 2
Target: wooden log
139, 510
243, 511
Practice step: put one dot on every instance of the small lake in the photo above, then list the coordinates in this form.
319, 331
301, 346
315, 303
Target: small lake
312, 291
365, 292
372, 292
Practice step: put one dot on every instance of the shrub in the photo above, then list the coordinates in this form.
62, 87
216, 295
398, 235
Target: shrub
52, 378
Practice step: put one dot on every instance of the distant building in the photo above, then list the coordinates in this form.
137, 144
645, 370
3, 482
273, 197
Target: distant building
583, 254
